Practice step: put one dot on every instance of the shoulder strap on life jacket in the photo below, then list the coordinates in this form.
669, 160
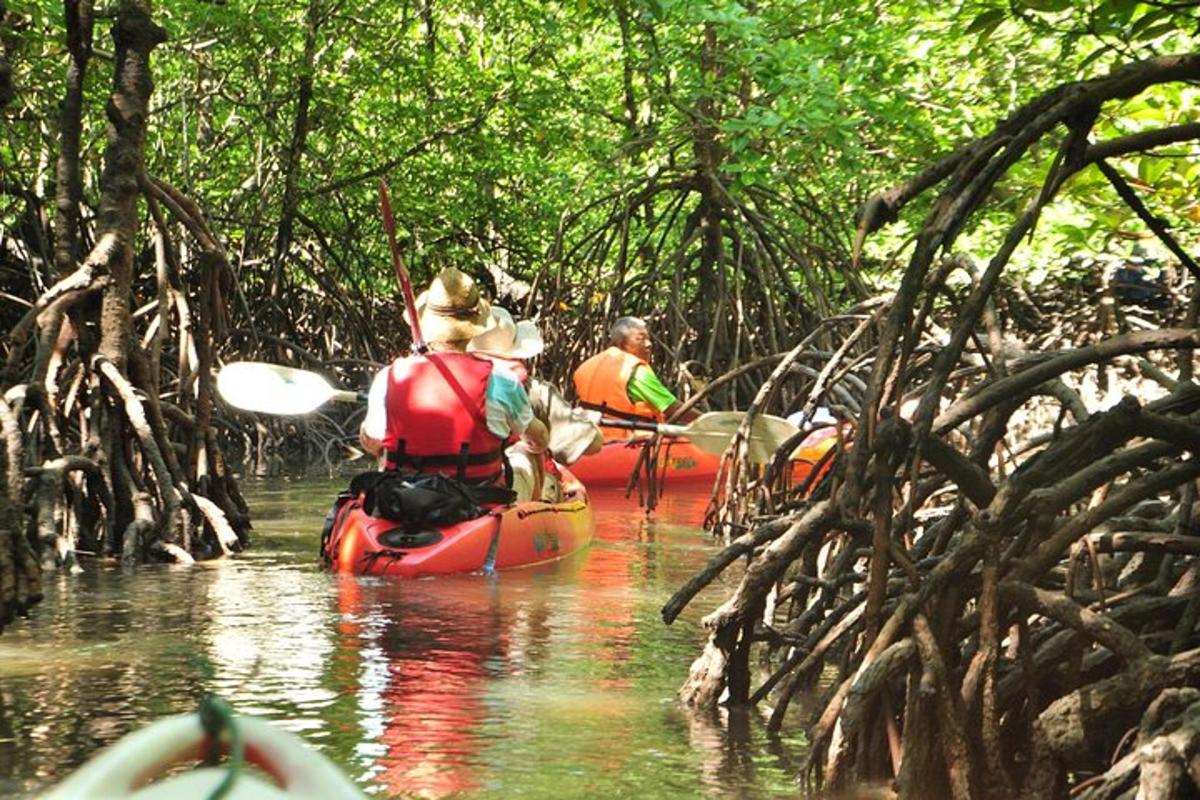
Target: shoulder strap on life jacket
437, 417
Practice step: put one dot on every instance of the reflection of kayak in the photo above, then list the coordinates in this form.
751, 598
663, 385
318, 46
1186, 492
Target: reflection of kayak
506, 537
679, 461
420, 660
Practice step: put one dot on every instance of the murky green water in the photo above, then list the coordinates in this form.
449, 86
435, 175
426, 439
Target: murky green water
552, 682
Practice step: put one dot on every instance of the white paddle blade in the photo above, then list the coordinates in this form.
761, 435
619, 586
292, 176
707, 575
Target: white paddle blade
714, 430
272, 389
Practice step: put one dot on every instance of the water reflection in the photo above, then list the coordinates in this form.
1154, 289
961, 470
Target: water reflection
268, 641
419, 662
557, 681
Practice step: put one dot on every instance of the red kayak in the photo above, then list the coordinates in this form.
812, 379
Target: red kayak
679, 461
506, 537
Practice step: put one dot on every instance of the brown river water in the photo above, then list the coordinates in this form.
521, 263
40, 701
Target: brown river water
557, 681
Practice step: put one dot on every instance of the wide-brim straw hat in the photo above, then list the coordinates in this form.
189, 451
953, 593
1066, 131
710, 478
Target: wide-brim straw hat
452, 309
508, 339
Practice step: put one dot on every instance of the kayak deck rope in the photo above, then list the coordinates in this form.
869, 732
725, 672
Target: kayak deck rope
551, 508
216, 716
368, 559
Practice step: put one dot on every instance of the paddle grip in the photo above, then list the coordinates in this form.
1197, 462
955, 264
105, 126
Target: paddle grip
348, 396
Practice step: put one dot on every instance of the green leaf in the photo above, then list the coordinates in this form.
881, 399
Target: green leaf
1049, 6
987, 22
1121, 9
1158, 30
1151, 170
1146, 20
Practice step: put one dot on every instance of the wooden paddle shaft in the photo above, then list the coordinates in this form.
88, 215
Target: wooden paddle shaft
410, 303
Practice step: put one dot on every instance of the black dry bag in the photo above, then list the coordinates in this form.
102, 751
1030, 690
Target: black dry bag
420, 499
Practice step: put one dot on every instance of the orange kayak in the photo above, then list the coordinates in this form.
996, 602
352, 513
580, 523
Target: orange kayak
679, 461
506, 537
810, 452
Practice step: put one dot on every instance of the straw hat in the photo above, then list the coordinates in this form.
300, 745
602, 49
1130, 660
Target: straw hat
508, 339
452, 310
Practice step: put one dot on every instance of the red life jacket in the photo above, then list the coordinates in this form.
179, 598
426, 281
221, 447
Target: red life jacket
437, 418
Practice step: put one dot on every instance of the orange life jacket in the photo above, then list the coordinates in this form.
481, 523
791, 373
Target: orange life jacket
437, 418
601, 384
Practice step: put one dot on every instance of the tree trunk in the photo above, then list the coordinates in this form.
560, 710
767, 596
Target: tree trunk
429, 24
6, 87
709, 156
20, 571
69, 191
134, 36
628, 97
295, 153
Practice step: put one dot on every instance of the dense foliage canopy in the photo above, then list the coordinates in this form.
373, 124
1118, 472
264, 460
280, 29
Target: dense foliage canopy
513, 133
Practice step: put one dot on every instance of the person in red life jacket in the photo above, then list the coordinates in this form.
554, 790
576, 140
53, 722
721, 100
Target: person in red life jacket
449, 411
619, 382
572, 434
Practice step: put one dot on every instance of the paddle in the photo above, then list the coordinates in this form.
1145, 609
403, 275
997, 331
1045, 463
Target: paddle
272, 389
389, 225
713, 431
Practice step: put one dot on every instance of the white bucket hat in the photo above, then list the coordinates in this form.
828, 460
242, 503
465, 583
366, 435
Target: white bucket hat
507, 338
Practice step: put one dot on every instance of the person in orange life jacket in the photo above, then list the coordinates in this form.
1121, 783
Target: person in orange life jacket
619, 382
572, 434
449, 411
